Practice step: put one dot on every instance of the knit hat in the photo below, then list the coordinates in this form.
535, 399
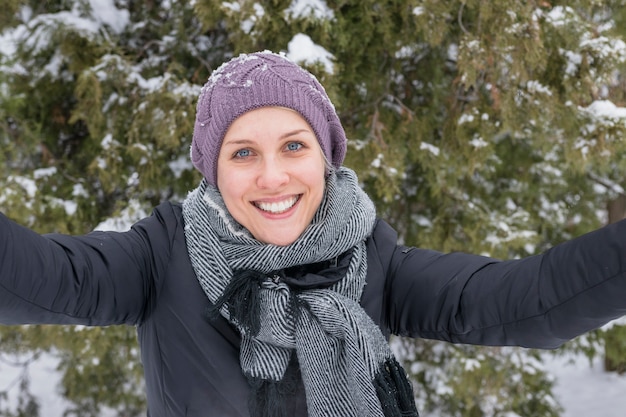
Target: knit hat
252, 81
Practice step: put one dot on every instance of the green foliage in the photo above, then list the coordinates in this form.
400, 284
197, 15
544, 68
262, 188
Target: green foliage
615, 349
475, 126
101, 368
470, 381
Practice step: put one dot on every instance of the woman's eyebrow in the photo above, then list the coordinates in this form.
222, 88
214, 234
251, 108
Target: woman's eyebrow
294, 132
283, 136
238, 142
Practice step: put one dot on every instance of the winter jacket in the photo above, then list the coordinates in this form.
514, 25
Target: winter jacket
144, 277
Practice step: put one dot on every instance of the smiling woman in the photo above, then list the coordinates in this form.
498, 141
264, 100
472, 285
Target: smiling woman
275, 281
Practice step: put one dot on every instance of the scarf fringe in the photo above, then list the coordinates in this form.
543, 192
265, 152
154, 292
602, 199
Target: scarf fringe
394, 390
268, 398
242, 297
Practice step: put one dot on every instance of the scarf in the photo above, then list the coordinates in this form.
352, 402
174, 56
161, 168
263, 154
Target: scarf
298, 305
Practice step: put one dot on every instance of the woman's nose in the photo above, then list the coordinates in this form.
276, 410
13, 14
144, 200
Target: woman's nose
272, 174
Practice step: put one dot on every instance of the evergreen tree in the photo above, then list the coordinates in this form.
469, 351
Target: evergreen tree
97, 107
486, 127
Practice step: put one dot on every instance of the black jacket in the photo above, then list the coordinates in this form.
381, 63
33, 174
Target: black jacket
144, 277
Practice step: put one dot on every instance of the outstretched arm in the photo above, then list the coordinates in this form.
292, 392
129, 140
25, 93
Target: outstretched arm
540, 301
98, 279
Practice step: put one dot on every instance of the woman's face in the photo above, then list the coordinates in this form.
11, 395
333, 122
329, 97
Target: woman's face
270, 172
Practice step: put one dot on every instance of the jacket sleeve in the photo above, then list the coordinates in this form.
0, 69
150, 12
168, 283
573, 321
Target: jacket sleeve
540, 301
101, 278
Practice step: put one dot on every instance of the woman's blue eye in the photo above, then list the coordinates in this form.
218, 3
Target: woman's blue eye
242, 153
294, 146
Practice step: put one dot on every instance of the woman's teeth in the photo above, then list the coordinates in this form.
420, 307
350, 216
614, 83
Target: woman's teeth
277, 207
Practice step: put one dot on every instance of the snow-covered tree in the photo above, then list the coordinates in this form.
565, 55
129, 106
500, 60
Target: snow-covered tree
487, 127
97, 102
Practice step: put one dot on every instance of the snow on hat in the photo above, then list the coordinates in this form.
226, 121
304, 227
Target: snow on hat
252, 81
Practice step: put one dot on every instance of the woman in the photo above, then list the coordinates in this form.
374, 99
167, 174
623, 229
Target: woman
275, 281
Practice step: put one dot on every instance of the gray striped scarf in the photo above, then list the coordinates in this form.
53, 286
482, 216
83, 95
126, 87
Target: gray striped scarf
345, 362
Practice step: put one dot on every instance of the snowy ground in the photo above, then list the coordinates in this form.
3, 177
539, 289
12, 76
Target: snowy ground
583, 390
44, 381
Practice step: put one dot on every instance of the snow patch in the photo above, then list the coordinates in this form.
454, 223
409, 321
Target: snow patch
127, 217
105, 12
303, 50
424, 146
317, 9
606, 109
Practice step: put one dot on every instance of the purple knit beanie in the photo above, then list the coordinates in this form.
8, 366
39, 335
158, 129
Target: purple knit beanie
252, 81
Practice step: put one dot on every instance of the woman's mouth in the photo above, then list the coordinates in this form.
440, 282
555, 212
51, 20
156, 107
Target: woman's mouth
277, 207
